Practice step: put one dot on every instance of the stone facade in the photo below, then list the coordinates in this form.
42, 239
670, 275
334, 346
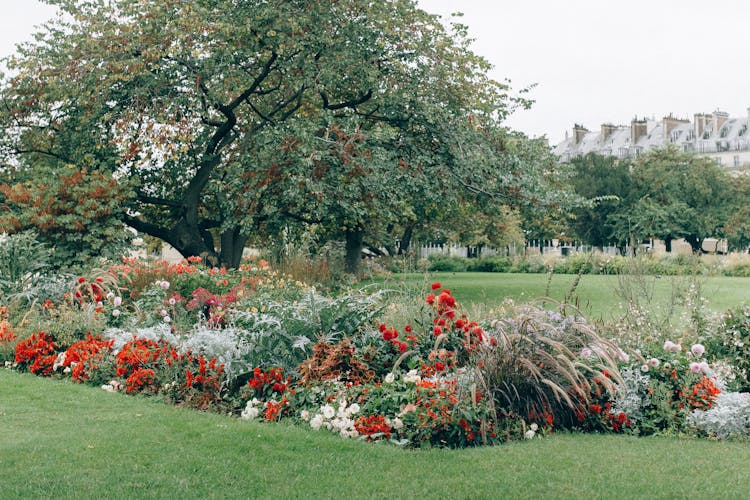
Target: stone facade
715, 135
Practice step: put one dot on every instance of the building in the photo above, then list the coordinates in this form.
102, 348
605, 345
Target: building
714, 135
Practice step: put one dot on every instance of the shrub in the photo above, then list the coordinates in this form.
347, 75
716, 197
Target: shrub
728, 418
446, 263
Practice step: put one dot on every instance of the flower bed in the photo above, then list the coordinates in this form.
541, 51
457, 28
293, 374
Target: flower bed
263, 346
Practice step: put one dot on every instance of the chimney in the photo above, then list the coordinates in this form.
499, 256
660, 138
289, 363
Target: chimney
719, 119
700, 124
579, 132
668, 125
607, 130
638, 128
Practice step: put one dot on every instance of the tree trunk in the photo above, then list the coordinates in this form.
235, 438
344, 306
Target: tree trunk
354, 247
695, 243
232, 246
405, 243
668, 244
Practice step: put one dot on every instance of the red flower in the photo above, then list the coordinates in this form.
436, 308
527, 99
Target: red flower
430, 299
437, 331
81, 280
436, 285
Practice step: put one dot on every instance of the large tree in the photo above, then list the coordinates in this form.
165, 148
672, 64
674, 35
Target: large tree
229, 118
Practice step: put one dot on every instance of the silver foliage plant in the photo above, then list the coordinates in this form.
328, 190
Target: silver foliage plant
728, 418
282, 335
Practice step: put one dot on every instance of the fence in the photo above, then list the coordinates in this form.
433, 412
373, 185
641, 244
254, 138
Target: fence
535, 247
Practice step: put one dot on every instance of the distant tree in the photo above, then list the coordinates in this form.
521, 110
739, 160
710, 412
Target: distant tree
677, 195
606, 182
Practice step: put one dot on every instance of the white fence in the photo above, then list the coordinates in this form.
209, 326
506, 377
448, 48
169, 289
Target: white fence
536, 247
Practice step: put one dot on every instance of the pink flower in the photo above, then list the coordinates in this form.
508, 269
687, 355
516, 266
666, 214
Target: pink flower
653, 363
695, 367
586, 352
697, 350
670, 346
644, 368
704, 367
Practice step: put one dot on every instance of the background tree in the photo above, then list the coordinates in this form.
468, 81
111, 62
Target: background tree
679, 195
606, 183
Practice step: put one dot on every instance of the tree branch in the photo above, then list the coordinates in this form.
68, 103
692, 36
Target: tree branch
346, 104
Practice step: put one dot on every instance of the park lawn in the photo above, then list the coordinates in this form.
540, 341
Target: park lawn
596, 294
67, 440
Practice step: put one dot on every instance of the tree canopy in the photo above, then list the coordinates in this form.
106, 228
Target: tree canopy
230, 119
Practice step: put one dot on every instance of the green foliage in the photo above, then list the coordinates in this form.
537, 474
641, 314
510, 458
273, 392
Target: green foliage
606, 182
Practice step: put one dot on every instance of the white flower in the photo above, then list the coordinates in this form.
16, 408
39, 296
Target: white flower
164, 284
644, 368
59, 361
316, 422
250, 412
653, 363
115, 312
172, 301
354, 408
397, 423
328, 411
166, 319
108, 388
534, 427
529, 434
163, 312
304, 415
412, 377
110, 295
117, 301
389, 378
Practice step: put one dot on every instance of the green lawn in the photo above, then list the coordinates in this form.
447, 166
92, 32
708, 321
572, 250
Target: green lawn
596, 293
67, 440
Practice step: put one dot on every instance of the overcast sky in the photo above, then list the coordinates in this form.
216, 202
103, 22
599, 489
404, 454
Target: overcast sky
594, 61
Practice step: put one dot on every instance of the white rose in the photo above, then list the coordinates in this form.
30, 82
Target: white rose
389, 378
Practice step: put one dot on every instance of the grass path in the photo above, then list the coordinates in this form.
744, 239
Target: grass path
67, 440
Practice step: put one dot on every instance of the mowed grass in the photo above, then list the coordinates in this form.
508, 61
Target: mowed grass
66, 440
596, 294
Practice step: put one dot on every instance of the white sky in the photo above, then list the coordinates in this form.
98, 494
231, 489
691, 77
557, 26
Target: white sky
594, 61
